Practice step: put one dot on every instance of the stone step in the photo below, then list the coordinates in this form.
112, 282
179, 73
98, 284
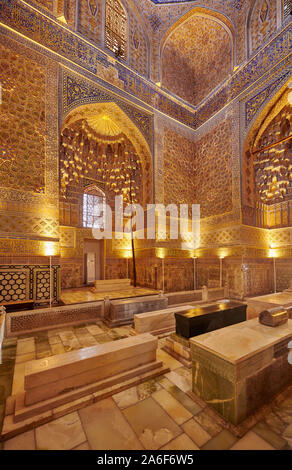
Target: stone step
13, 425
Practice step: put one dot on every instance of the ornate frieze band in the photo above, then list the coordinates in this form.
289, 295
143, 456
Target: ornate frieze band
57, 38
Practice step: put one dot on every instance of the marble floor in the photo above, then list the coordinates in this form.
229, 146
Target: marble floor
85, 294
158, 414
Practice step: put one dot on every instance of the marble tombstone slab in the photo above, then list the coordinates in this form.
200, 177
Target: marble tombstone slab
47, 378
241, 367
159, 321
111, 285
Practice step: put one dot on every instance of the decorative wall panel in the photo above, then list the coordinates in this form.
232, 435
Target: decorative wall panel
22, 122
90, 15
20, 283
213, 171
263, 22
14, 285
78, 92
178, 171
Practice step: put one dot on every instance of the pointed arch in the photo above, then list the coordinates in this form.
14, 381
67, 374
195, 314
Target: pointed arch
265, 162
263, 19
124, 124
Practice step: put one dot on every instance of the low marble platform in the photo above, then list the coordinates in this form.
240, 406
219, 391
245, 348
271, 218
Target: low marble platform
84, 294
240, 368
47, 378
47, 388
121, 312
159, 321
108, 285
19, 323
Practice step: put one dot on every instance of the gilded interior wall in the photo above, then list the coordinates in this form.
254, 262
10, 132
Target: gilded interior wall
266, 167
213, 170
90, 19
178, 273
160, 18
191, 67
29, 171
138, 49
91, 14
190, 169
178, 169
258, 277
210, 156
284, 273
22, 122
263, 23
48, 4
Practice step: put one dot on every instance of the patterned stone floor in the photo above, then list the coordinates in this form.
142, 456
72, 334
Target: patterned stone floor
158, 414
85, 294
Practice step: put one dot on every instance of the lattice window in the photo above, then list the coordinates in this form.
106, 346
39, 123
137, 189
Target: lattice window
287, 8
116, 28
94, 206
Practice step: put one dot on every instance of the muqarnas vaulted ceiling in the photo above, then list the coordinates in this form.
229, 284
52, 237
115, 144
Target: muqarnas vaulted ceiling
196, 58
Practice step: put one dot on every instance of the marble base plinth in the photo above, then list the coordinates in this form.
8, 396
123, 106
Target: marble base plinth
49, 377
20, 418
184, 296
179, 348
240, 368
121, 312
48, 388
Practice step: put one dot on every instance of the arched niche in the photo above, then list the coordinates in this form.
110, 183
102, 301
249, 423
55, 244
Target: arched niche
197, 54
263, 19
112, 130
267, 166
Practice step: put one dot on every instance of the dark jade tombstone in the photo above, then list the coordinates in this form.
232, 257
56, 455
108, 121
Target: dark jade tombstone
199, 320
